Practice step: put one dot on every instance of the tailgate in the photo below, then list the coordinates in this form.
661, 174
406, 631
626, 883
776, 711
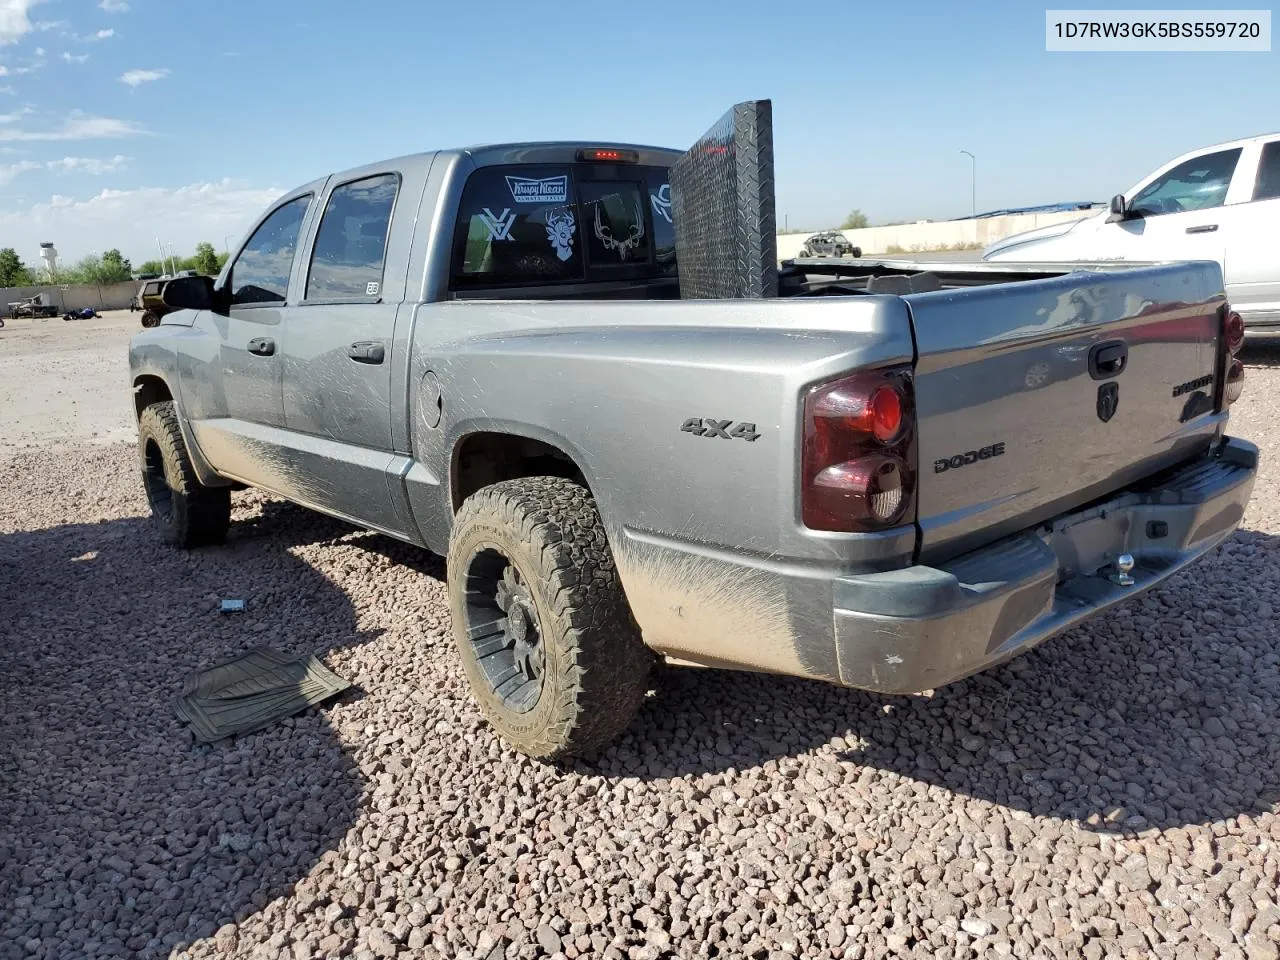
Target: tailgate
1022, 413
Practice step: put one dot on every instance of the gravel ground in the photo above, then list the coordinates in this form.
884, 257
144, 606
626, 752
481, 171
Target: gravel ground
1112, 794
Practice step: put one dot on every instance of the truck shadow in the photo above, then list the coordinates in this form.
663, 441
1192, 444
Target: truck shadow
1261, 353
117, 831
1133, 721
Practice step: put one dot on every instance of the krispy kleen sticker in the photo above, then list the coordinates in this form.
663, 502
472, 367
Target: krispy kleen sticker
529, 190
371, 288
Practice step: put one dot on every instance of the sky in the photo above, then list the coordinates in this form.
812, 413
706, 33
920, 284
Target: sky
126, 120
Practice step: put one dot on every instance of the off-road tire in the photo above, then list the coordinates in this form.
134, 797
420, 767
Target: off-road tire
192, 515
596, 666
149, 319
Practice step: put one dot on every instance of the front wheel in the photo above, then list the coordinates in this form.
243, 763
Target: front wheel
149, 319
187, 513
547, 640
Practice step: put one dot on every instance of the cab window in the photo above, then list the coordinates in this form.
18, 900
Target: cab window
1267, 186
1195, 184
533, 225
261, 271
518, 225
351, 244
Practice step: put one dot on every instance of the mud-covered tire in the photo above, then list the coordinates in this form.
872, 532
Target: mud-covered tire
595, 667
149, 319
186, 512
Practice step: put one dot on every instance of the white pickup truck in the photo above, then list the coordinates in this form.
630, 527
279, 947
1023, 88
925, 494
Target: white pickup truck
1217, 203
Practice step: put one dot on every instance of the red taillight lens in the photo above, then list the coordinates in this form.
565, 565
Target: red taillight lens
1233, 331
1235, 380
858, 469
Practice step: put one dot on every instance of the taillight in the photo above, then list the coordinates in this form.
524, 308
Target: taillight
1235, 380
1233, 340
858, 471
1233, 331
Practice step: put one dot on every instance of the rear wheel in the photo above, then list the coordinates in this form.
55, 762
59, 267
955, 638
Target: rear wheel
149, 319
187, 513
546, 637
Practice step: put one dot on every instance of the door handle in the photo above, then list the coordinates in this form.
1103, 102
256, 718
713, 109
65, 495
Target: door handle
1207, 228
368, 351
262, 346
1108, 359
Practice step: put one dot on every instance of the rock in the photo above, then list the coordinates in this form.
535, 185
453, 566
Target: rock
977, 927
1214, 728
548, 938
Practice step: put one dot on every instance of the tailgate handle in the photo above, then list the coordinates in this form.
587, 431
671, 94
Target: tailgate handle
1108, 359
1207, 228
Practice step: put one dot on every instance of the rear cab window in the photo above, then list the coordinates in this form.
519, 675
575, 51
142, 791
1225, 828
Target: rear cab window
1267, 184
527, 225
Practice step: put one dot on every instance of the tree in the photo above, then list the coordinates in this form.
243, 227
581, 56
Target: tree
12, 271
152, 266
206, 259
115, 267
855, 221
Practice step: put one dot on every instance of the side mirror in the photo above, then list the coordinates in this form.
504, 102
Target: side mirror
1119, 209
188, 293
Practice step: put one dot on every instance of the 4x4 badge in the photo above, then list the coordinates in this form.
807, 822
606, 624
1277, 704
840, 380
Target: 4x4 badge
1108, 400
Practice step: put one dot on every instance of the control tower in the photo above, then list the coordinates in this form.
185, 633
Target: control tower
49, 254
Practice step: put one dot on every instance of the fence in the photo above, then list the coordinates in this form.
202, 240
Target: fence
77, 296
935, 236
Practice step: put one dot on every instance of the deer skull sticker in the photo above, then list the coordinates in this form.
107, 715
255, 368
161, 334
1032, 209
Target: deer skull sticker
605, 234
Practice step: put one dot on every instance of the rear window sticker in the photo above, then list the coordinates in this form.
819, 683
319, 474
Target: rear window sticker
530, 190
605, 234
498, 225
662, 202
561, 226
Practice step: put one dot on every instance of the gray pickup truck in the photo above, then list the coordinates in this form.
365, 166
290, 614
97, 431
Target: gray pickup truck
578, 370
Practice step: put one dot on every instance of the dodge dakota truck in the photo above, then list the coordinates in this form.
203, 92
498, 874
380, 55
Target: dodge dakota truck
579, 372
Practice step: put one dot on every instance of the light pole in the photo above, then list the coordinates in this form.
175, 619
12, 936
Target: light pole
973, 182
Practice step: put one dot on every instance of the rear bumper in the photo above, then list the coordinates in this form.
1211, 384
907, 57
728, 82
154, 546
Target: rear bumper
916, 629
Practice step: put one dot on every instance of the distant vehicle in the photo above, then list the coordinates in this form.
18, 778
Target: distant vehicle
1217, 203
831, 243
32, 307
150, 303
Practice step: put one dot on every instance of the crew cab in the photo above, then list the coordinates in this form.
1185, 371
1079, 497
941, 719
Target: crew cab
1219, 203
578, 371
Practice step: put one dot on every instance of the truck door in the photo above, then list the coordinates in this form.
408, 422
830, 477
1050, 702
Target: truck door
1179, 215
1253, 255
337, 355
232, 377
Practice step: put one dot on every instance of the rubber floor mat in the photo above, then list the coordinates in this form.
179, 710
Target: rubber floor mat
254, 691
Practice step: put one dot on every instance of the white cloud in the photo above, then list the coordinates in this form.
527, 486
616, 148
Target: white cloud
127, 218
8, 171
114, 6
75, 58
135, 78
103, 34
77, 126
14, 20
9, 90
96, 166
45, 25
